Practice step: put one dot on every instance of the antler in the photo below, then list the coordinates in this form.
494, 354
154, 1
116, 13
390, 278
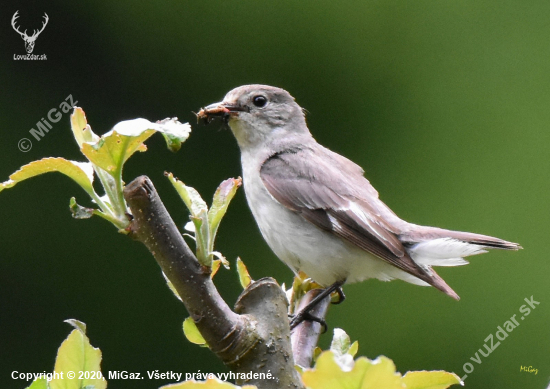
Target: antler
43, 26
15, 16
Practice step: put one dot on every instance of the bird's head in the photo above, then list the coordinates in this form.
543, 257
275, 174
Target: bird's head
258, 114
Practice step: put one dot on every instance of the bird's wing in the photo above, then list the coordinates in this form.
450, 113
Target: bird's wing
330, 191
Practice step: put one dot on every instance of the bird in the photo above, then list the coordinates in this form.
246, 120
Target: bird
317, 211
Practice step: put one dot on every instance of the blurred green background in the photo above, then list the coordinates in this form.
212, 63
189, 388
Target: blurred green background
445, 104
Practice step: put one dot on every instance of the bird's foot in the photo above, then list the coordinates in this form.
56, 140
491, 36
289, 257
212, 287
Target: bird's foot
295, 320
341, 296
304, 313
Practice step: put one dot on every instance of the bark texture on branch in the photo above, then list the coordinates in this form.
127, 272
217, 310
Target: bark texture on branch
255, 338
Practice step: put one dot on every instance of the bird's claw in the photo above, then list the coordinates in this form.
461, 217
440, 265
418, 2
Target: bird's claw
295, 320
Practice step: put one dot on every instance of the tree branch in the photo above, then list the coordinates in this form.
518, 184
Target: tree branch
306, 335
255, 338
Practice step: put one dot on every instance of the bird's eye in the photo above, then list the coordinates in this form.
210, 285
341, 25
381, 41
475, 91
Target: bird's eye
259, 101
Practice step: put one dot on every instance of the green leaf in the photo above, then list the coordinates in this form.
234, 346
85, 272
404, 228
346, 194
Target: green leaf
81, 130
222, 197
329, 373
80, 212
201, 239
40, 383
430, 379
192, 333
212, 383
377, 374
192, 199
216, 264
204, 231
221, 258
224, 260
199, 216
74, 356
353, 348
244, 276
114, 149
340, 346
317, 351
81, 172
301, 284
78, 124
107, 156
171, 287
174, 132
77, 324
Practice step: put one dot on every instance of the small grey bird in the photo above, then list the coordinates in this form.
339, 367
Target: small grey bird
318, 213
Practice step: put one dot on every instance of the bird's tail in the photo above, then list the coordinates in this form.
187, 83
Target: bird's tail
420, 234
430, 246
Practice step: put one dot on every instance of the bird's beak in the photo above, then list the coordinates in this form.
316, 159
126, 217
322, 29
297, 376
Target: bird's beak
222, 110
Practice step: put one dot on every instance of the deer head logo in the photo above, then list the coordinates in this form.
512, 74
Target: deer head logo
29, 40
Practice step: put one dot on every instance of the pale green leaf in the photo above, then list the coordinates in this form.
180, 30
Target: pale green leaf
222, 197
430, 379
192, 199
171, 287
40, 383
301, 284
192, 333
128, 136
77, 324
113, 149
328, 375
78, 124
340, 342
216, 264
354, 348
80, 212
132, 128
317, 351
340, 346
201, 239
197, 206
212, 383
365, 374
380, 373
80, 172
199, 216
244, 276
221, 258
81, 130
174, 132
77, 355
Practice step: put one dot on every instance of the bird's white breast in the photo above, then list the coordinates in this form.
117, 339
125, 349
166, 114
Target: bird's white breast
302, 246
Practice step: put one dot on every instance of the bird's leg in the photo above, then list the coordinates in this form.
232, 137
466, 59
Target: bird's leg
304, 313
